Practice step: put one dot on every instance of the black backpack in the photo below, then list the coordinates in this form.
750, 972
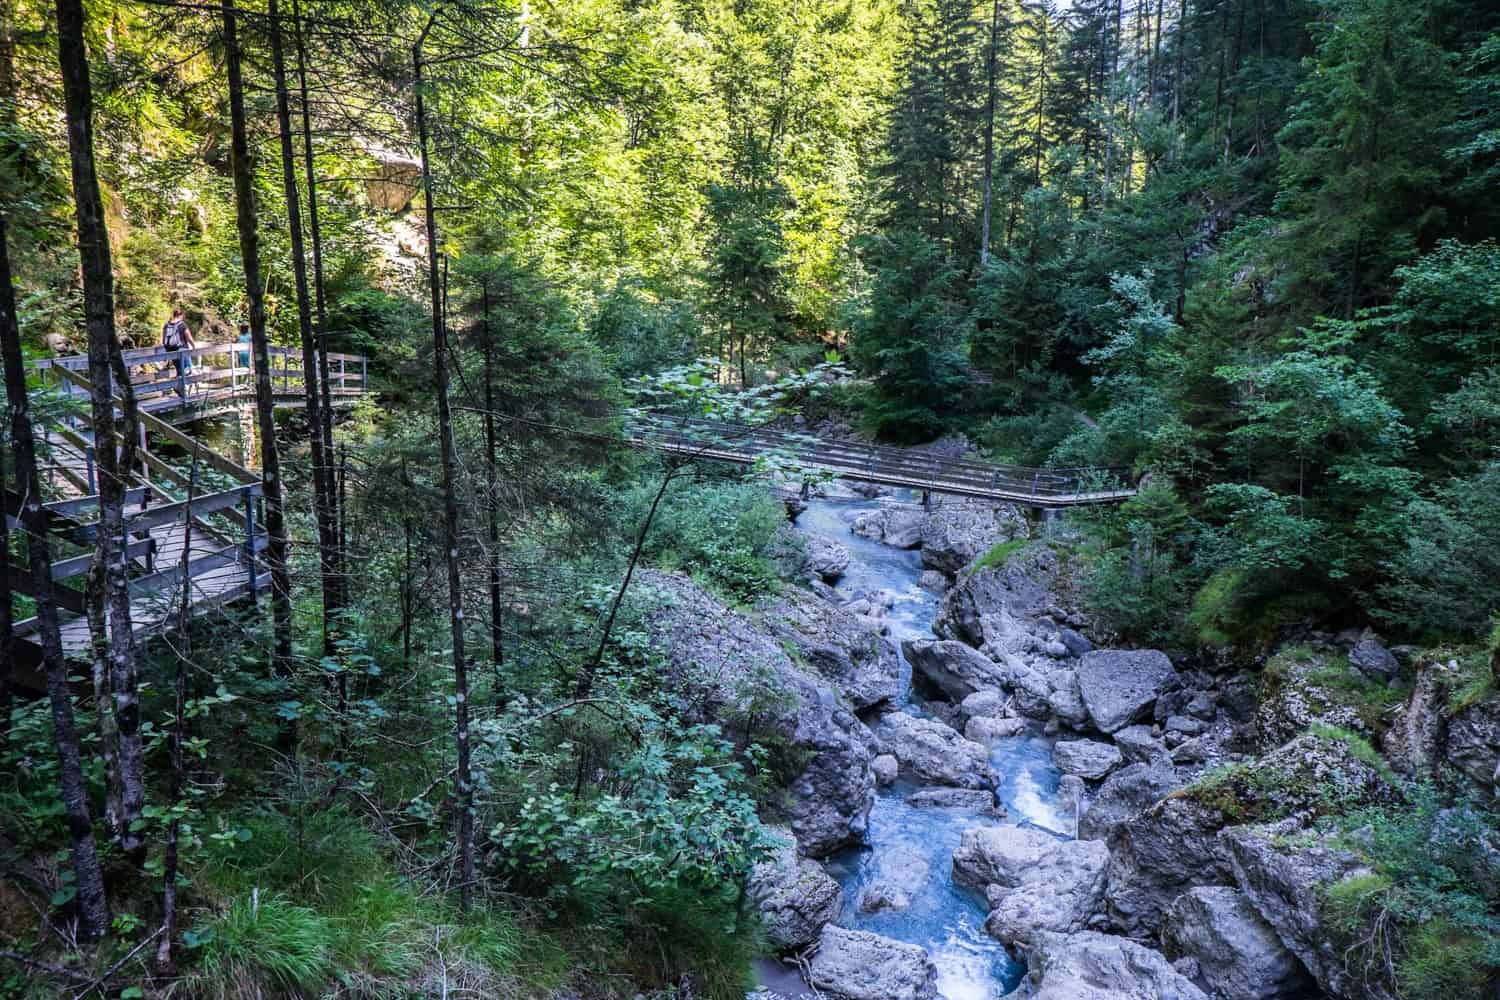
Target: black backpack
171, 335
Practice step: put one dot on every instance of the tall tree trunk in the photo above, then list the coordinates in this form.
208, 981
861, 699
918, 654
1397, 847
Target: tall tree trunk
166, 963
7, 621
93, 907
322, 461
104, 350
1178, 81
440, 361
320, 302
492, 492
265, 400
989, 134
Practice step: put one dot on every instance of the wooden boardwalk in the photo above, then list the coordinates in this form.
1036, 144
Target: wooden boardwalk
883, 465
221, 532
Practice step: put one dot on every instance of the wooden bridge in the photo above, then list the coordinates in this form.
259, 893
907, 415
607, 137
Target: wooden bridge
1046, 489
217, 538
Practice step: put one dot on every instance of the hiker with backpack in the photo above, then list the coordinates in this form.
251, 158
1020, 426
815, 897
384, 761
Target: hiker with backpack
175, 336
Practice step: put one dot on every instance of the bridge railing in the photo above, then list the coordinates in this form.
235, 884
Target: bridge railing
878, 463
216, 372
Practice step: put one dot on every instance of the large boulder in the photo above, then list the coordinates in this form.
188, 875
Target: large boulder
1086, 758
826, 559
1285, 879
1158, 855
1125, 794
900, 873
843, 648
1173, 845
1239, 956
731, 671
959, 531
395, 181
1008, 608
934, 753
1094, 966
955, 668
1061, 893
1473, 744
796, 898
1121, 686
859, 965
1138, 744
1000, 855
1370, 657
899, 527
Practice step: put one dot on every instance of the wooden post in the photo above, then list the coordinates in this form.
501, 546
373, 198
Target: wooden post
250, 539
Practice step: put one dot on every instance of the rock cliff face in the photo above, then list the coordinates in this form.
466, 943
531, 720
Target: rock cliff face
845, 650
1282, 879
796, 898
730, 670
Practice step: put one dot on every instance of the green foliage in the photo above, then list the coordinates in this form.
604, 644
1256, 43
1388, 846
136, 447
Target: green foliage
907, 334
720, 531
642, 334
263, 943
676, 820
1139, 569
1433, 898
999, 554
1444, 577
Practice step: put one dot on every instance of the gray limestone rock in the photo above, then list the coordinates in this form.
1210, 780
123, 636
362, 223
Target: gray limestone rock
1284, 881
1094, 966
983, 729
859, 965
1126, 793
957, 669
900, 874
933, 752
1000, 855
795, 896
1370, 657
1085, 758
1120, 686
959, 531
729, 667
1237, 954
1156, 856
1137, 744
845, 649
1060, 893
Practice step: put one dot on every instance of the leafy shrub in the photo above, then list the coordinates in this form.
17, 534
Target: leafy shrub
673, 817
1445, 577
721, 531
1427, 920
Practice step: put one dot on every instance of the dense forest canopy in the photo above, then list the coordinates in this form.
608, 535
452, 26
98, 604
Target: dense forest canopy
1247, 251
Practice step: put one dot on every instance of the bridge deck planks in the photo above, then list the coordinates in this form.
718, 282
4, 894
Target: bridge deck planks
886, 466
218, 568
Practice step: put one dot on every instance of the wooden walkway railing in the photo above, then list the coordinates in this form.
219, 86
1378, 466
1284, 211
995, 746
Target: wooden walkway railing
221, 377
887, 466
217, 538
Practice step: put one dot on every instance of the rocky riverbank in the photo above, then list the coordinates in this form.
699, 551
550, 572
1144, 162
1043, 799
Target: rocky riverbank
1197, 859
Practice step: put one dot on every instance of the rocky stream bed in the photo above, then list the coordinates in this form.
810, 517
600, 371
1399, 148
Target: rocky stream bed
981, 803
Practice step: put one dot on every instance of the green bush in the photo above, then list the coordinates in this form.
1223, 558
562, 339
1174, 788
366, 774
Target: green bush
1426, 921
720, 532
